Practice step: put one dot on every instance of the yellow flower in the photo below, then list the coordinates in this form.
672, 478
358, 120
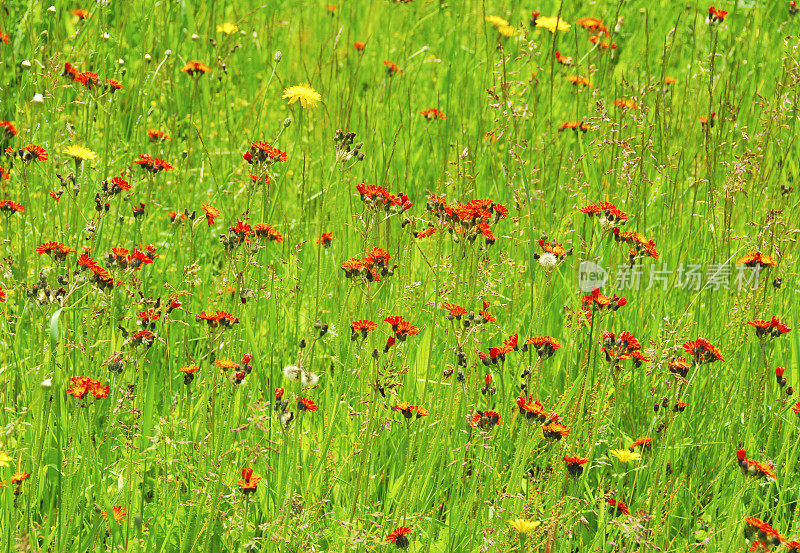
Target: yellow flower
552, 23
228, 28
5, 460
625, 456
308, 96
79, 153
523, 526
497, 21
506, 30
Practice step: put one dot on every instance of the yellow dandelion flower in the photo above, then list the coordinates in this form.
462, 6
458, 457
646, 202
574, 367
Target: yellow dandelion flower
228, 28
497, 21
523, 526
5, 460
625, 456
79, 153
506, 31
552, 24
308, 96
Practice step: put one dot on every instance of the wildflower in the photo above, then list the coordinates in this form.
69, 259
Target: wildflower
524, 526
218, 318
4, 175
703, 351
308, 96
226, 364
118, 513
8, 129
392, 68
433, 113
484, 419
398, 537
248, 482
531, 410
359, 46
8, 207
56, 250
772, 328
325, 239
624, 103
263, 153
363, 326
670, 80
555, 431
227, 27
593, 25
715, 15
793, 11
113, 85
563, 60
80, 13
79, 153
454, 311
708, 121
4, 38
2, 295
188, 373
305, 404
156, 135
641, 443
31, 152
575, 465
603, 44
195, 68
409, 410
81, 385
618, 507
552, 24
599, 301
152, 165
211, 213
578, 80
264, 230
754, 259
626, 456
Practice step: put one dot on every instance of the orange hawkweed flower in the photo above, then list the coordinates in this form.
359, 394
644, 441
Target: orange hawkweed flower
392, 68
248, 482
454, 311
4, 38
261, 152
578, 80
325, 239
56, 250
703, 351
409, 410
575, 465
485, 419
359, 46
8, 128
118, 513
593, 24
19, 477
305, 404
363, 327
2, 295
113, 85
88, 79
577, 126
670, 80
405, 329
531, 409
707, 120
226, 364
80, 13
715, 15
157, 135
545, 345
217, 318
772, 328
618, 507
398, 537
81, 385
603, 44
563, 60
8, 206
264, 230
624, 103
153, 165
753, 259
195, 68
211, 213
32, 152
555, 431
641, 443
433, 113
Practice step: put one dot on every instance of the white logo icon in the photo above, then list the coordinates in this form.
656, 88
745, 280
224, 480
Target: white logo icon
591, 276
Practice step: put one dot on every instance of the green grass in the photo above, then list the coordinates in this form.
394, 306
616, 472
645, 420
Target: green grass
343, 477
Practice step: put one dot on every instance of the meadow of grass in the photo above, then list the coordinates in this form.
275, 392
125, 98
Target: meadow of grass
184, 359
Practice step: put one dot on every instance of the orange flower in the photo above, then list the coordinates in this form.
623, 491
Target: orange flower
454, 311
578, 80
56, 250
216, 318
433, 113
211, 212
9, 207
363, 326
226, 364
485, 419
618, 507
359, 46
545, 345
261, 152
195, 68
305, 404
593, 24
88, 79
575, 126
555, 431
531, 410
325, 239
603, 44
152, 164
8, 128
19, 477
268, 231
32, 152
157, 135
118, 512
398, 537
624, 103
113, 85
563, 60
409, 410
703, 351
753, 259
80, 13
81, 385
248, 482
575, 465
392, 68
641, 443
